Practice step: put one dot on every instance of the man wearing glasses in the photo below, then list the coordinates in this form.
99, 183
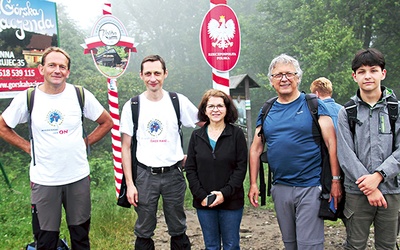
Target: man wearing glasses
294, 158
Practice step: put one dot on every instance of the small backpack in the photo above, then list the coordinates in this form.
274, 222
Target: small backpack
30, 101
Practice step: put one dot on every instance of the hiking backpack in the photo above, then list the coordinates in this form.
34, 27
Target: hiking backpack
122, 200
30, 101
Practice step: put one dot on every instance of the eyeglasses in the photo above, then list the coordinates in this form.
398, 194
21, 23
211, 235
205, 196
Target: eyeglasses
279, 76
212, 107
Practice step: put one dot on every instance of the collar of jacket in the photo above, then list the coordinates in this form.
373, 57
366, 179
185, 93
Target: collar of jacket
227, 131
386, 92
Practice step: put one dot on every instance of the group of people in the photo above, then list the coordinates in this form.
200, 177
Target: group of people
369, 156
217, 157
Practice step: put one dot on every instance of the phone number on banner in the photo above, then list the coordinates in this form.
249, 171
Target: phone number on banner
16, 72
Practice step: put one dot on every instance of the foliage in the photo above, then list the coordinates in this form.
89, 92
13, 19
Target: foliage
111, 226
322, 35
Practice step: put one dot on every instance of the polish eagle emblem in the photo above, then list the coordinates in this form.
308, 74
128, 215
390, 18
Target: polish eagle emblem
221, 32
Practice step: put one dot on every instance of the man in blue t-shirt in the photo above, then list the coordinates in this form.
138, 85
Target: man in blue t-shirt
294, 158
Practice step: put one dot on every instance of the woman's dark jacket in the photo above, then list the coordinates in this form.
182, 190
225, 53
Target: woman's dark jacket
223, 169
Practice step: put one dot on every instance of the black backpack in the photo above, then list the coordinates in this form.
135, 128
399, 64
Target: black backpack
393, 109
122, 200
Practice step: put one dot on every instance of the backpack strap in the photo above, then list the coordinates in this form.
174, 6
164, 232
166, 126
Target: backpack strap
135, 119
30, 97
80, 93
175, 102
264, 112
351, 110
264, 189
393, 110
312, 104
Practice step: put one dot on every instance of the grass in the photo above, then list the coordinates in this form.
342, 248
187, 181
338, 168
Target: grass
111, 225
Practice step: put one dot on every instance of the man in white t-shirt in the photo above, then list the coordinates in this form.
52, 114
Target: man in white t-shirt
159, 154
59, 170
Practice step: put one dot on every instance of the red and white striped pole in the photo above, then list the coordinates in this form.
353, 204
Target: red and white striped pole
220, 79
114, 112
115, 134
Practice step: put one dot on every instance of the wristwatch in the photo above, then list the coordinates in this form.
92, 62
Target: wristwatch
336, 177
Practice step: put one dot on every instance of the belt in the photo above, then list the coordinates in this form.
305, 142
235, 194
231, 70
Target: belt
160, 170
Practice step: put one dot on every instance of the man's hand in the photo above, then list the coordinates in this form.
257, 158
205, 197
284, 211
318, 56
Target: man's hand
336, 192
369, 183
376, 199
132, 195
253, 195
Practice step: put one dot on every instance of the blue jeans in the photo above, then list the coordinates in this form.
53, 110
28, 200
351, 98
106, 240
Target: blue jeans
220, 224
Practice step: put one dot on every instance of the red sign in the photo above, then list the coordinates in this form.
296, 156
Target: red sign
220, 38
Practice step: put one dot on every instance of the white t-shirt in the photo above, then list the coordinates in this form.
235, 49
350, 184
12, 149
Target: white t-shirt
159, 142
60, 151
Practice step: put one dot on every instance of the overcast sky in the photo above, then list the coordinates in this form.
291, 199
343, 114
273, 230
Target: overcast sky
86, 12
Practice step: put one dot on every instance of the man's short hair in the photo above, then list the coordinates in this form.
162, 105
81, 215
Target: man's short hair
322, 85
285, 59
153, 58
55, 49
368, 57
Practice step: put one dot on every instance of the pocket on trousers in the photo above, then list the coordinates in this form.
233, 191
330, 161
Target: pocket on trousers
348, 213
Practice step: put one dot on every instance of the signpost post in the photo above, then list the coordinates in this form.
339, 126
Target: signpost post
110, 47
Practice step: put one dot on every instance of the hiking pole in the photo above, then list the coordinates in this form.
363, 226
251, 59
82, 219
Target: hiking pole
5, 175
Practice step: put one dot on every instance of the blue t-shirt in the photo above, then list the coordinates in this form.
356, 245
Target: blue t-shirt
293, 155
333, 109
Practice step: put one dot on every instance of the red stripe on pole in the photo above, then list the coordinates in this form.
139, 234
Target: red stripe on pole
113, 93
218, 1
116, 148
220, 80
107, 9
115, 137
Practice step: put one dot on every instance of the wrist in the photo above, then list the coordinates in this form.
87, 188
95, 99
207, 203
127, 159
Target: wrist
382, 174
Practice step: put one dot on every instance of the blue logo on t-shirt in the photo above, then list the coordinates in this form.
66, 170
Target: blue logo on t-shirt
55, 118
155, 127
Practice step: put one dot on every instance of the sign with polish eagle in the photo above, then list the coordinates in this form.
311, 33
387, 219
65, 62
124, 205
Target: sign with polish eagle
220, 38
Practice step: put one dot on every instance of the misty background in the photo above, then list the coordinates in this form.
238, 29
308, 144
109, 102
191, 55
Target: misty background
323, 35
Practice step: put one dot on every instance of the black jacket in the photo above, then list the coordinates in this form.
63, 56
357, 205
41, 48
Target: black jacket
223, 169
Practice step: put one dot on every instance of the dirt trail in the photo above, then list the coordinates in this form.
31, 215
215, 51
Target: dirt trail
259, 231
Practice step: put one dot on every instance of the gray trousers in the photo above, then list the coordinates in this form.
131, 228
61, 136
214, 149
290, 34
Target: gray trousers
171, 186
360, 215
297, 213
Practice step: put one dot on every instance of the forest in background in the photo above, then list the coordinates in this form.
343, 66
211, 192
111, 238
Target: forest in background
322, 34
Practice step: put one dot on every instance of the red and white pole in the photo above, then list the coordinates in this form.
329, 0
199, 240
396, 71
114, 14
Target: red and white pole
115, 134
220, 79
114, 112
